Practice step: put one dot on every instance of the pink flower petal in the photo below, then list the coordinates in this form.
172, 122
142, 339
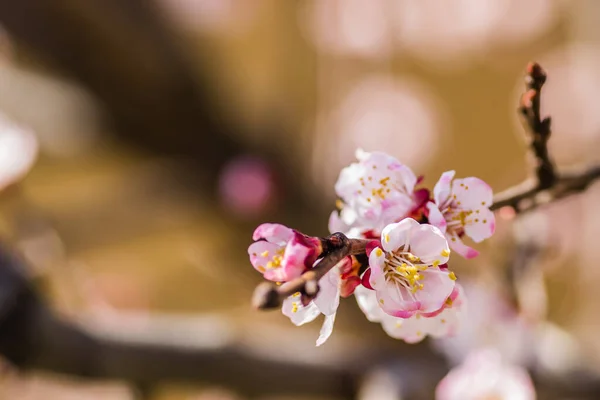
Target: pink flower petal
395, 300
472, 193
482, 225
437, 287
435, 217
442, 189
261, 253
457, 245
429, 244
274, 233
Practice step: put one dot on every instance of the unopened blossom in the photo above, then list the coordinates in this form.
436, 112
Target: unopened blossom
484, 375
406, 273
461, 207
375, 191
281, 253
442, 323
326, 302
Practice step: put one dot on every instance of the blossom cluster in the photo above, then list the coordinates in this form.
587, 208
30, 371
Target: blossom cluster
404, 281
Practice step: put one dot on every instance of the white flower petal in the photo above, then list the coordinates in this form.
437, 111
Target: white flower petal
481, 225
328, 298
442, 189
367, 302
411, 330
326, 329
472, 193
435, 217
299, 315
399, 234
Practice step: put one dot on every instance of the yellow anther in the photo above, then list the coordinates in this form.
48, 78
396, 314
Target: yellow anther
294, 307
384, 181
398, 324
386, 238
381, 301
445, 253
419, 333
435, 263
418, 316
378, 252
452, 276
443, 321
485, 221
340, 204
421, 286
483, 203
297, 294
261, 269
265, 253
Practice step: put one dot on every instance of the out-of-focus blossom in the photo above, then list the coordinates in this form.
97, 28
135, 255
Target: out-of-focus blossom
384, 112
212, 16
374, 192
350, 27
453, 33
247, 187
484, 375
281, 253
326, 303
442, 323
406, 275
491, 322
18, 152
462, 208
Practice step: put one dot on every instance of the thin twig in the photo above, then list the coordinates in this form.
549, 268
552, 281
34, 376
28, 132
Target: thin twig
268, 295
547, 185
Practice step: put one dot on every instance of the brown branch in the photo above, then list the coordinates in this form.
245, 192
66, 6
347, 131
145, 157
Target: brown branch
547, 185
268, 295
32, 336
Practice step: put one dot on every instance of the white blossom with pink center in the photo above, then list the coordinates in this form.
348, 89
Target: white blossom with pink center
462, 208
405, 274
443, 323
484, 375
281, 253
375, 191
326, 303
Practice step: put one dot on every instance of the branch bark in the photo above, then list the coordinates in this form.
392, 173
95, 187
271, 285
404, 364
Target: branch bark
547, 185
33, 337
268, 295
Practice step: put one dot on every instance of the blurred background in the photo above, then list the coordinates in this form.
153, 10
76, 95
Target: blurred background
169, 129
